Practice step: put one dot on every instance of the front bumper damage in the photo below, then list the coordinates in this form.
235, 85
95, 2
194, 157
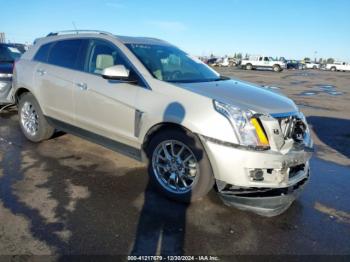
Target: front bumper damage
264, 182
263, 201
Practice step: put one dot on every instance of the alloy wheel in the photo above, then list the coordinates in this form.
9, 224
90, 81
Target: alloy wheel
175, 166
29, 119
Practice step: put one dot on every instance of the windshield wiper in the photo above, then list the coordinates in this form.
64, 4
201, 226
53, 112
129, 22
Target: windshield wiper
224, 78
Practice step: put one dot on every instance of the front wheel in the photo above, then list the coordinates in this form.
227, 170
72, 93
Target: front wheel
333, 69
32, 120
178, 166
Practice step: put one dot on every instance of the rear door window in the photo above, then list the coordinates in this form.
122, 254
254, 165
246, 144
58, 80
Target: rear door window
65, 53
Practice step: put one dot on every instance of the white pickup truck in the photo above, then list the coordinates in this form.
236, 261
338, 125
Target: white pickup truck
256, 62
338, 66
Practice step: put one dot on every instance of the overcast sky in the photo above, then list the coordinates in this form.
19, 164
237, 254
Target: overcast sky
289, 28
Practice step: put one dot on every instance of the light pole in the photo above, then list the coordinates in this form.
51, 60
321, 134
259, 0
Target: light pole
315, 55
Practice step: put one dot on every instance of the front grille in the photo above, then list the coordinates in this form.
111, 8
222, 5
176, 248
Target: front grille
293, 127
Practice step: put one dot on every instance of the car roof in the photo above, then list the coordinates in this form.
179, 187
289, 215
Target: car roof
140, 40
91, 33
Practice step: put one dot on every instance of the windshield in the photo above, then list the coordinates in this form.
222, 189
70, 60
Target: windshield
170, 64
9, 53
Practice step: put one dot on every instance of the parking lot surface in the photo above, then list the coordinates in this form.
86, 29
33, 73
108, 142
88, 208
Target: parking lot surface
69, 196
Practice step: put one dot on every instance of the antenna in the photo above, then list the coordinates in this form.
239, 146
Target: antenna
75, 27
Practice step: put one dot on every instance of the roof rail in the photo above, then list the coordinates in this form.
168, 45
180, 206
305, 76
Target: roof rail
79, 32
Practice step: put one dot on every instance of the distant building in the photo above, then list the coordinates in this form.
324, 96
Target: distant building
2, 37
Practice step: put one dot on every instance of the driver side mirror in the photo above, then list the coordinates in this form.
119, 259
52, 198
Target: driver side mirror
117, 72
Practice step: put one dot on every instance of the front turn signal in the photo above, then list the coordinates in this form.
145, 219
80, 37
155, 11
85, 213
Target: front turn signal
259, 132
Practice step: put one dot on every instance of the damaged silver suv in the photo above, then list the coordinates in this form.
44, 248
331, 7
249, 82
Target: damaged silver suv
148, 99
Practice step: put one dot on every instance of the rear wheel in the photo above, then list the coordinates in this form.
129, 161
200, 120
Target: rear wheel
249, 66
32, 121
178, 166
276, 68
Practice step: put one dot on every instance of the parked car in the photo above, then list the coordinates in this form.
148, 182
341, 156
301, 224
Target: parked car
212, 61
338, 66
9, 53
311, 65
256, 62
151, 101
295, 64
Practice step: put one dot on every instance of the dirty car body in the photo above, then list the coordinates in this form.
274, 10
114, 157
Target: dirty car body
254, 144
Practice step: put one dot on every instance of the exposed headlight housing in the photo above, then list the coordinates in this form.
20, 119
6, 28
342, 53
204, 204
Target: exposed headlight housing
246, 127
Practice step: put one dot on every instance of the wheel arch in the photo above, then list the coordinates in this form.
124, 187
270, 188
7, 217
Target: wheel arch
19, 92
159, 127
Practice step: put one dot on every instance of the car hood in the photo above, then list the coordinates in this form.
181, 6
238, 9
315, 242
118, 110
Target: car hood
6, 67
243, 95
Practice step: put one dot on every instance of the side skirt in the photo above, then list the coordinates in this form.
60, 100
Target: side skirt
97, 139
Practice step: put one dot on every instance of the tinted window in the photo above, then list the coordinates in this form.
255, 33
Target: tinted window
4, 56
43, 53
65, 53
81, 59
9, 53
102, 55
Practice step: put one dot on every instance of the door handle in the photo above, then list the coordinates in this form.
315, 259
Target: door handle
82, 86
41, 72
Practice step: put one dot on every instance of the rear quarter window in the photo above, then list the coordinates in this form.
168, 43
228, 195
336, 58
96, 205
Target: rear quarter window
65, 53
43, 53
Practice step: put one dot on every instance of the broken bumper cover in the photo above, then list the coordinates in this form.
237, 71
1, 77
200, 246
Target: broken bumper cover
265, 182
269, 203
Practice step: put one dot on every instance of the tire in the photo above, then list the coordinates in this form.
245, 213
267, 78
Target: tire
333, 69
36, 129
249, 67
276, 68
202, 179
314, 67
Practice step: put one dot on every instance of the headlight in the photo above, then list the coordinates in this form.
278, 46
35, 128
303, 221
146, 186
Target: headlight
247, 128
